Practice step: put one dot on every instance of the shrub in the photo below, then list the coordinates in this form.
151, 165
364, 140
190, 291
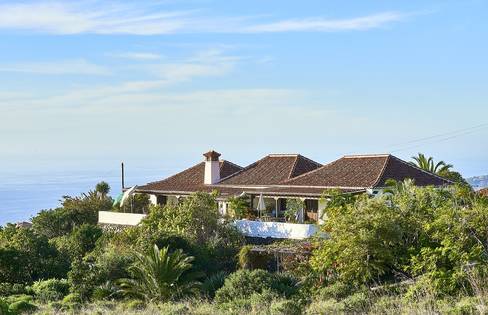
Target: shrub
18, 297
330, 306
285, 307
243, 283
336, 290
50, 290
213, 283
467, 305
72, 298
105, 291
22, 307
3, 307
7, 289
357, 302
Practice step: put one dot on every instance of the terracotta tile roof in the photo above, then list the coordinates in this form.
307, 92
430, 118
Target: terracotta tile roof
365, 171
190, 180
272, 169
483, 192
303, 191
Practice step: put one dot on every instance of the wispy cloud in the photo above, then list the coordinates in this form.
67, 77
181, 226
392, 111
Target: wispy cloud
137, 55
329, 25
96, 17
63, 67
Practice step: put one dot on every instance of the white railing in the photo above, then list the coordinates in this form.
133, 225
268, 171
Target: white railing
246, 227
276, 229
119, 218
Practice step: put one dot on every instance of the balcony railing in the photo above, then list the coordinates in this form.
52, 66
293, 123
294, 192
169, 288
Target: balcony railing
276, 229
119, 218
250, 228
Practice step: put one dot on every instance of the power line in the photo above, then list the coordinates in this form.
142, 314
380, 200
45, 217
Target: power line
438, 138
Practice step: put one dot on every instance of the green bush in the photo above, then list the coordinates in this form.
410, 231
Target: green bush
330, 306
22, 307
357, 302
72, 298
336, 290
285, 307
3, 307
7, 289
213, 283
243, 283
105, 291
50, 290
466, 306
18, 297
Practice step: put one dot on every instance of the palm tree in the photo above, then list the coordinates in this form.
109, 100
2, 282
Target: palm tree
161, 275
428, 164
102, 189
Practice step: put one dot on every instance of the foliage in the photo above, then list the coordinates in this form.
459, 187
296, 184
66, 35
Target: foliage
105, 264
428, 164
102, 189
416, 231
79, 242
293, 206
244, 257
161, 276
238, 207
26, 257
22, 307
243, 283
135, 203
74, 211
193, 225
213, 283
50, 290
7, 289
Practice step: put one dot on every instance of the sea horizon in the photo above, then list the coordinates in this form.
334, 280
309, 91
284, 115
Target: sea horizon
24, 194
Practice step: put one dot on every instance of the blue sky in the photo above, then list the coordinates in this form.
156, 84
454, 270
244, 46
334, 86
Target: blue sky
84, 85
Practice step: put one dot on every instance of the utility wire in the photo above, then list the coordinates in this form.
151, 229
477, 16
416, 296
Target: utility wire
438, 138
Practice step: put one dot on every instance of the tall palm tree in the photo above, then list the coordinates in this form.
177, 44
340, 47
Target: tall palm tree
102, 189
428, 164
161, 275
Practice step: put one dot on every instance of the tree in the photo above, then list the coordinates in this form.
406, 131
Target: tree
161, 276
79, 242
26, 256
293, 207
428, 164
414, 232
238, 207
74, 211
102, 188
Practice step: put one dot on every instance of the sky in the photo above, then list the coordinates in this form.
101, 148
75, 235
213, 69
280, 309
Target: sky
85, 85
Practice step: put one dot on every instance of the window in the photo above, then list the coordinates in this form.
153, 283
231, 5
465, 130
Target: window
161, 200
311, 205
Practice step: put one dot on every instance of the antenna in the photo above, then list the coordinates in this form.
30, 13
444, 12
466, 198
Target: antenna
123, 175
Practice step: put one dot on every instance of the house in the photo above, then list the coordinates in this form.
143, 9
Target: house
277, 178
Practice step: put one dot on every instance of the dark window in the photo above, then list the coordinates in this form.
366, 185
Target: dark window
311, 205
161, 200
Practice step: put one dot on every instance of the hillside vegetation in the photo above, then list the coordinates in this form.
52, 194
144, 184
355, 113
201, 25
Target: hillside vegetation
414, 250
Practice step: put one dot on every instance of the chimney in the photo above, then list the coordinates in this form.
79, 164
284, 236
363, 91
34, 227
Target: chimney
212, 168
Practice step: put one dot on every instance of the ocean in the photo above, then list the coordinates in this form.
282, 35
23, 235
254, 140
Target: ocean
23, 195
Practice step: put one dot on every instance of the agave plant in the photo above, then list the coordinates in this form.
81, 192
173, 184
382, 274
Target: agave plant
428, 164
161, 276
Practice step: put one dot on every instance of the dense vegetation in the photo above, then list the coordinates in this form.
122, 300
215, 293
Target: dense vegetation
412, 250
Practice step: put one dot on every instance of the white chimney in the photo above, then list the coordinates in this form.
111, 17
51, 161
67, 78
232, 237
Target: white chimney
212, 168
